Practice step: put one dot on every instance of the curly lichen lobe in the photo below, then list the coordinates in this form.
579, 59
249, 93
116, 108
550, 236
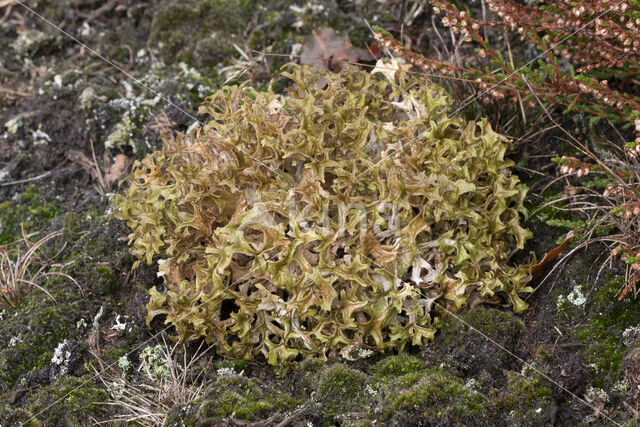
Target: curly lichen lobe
334, 218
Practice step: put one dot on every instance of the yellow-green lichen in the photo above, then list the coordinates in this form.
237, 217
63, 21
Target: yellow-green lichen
327, 220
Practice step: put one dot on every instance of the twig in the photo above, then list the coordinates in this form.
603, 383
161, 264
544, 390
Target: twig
294, 416
13, 92
5, 3
579, 144
22, 181
524, 115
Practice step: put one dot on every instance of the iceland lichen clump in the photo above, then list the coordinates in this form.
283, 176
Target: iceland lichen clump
327, 220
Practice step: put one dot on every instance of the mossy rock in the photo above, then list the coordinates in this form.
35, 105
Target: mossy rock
460, 347
438, 399
525, 401
602, 334
29, 336
344, 392
231, 397
70, 401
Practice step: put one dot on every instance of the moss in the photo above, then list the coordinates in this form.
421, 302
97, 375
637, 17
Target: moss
342, 390
394, 366
13, 416
28, 209
77, 402
200, 32
30, 335
525, 401
405, 381
602, 334
231, 397
306, 376
438, 399
97, 258
106, 281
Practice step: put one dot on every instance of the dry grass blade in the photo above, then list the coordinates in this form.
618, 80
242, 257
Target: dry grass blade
241, 66
148, 402
16, 277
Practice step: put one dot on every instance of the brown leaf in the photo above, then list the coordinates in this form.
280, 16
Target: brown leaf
538, 268
323, 47
116, 169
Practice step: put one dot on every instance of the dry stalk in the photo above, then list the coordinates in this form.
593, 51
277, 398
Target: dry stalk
17, 277
149, 400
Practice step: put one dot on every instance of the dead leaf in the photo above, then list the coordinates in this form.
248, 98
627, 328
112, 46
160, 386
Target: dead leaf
324, 49
391, 69
116, 169
538, 268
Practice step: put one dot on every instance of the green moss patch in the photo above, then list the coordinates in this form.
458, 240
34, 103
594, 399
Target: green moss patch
343, 390
200, 31
602, 333
29, 209
232, 397
525, 401
394, 366
29, 336
69, 401
438, 399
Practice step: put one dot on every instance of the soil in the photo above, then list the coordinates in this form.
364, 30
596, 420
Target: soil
570, 359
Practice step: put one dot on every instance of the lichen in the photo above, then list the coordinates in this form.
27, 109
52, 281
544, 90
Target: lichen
30, 41
14, 124
323, 222
154, 362
128, 132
